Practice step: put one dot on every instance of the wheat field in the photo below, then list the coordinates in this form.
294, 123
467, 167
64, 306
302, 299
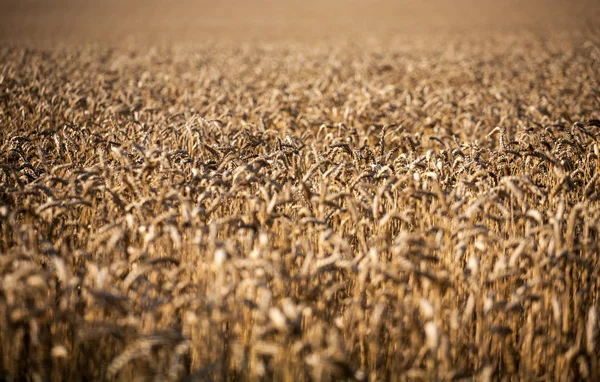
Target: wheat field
250, 201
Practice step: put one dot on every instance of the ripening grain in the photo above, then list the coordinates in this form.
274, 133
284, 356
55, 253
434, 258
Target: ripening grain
424, 211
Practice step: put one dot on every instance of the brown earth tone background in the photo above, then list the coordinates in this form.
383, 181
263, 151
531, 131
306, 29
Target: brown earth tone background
195, 21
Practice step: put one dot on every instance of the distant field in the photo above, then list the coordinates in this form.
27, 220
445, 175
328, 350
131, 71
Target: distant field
179, 21
307, 192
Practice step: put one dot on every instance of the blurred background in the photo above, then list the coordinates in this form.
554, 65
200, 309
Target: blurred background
187, 20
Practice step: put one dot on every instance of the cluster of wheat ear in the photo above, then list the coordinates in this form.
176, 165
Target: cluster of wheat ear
423, 211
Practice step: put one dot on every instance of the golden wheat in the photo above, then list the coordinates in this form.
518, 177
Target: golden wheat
271, 213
